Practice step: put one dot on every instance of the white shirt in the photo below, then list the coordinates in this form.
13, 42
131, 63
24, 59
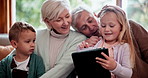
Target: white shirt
22, 65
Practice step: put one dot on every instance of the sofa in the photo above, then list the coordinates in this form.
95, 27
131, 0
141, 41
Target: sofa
5, 47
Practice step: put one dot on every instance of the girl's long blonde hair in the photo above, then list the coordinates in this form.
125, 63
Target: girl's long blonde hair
125, 34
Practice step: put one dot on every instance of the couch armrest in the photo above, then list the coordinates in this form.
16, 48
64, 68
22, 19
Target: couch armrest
4, 51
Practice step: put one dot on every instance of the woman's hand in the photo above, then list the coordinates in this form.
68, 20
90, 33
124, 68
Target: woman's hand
108, 63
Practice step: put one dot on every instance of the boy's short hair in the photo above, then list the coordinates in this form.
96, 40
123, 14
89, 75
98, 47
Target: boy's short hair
17, 28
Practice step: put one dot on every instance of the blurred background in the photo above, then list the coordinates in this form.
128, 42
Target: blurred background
29, 10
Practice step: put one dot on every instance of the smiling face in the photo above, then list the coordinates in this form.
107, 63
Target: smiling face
26, 43
87, 24
110, 27
62, 24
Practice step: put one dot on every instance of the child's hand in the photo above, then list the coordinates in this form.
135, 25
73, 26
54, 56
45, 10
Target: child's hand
83, 45
92, 40
108, 64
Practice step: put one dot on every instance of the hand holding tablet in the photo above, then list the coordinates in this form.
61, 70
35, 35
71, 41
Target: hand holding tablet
86, 66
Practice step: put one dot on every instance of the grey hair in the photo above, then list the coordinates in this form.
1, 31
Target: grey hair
51, 9
76, 14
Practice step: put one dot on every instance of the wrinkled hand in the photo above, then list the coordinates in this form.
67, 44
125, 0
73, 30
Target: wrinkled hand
108, 64
92, 40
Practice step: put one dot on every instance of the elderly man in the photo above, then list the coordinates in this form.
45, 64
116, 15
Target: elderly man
85, 22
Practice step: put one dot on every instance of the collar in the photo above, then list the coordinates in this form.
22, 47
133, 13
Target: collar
109, 46
58, 35
13, 64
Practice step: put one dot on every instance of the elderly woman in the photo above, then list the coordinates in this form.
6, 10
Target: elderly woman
57, 42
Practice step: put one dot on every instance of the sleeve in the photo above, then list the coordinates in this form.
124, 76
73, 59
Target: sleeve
85, 49
140, 40
2, 70
123, 68
40, 67
5, 68
64, 66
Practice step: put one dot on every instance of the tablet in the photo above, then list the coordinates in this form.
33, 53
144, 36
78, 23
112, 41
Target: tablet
86, 66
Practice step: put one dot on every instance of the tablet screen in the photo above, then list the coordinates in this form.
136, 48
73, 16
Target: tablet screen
86, 66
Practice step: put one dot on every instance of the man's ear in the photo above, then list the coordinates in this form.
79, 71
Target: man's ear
13, 43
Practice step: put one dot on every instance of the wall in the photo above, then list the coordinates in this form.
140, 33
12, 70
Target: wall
5, 19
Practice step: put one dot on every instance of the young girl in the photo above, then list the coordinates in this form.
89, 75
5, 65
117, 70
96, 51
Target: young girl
116, 36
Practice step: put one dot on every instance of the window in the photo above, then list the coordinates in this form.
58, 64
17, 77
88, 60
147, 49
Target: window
29, 10
137, 10
95, 5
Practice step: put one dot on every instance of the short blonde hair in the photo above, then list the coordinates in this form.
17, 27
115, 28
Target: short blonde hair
51, 9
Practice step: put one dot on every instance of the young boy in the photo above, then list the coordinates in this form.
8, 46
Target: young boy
22, 62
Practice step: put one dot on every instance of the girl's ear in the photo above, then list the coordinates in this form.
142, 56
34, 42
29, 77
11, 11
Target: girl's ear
13, 43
